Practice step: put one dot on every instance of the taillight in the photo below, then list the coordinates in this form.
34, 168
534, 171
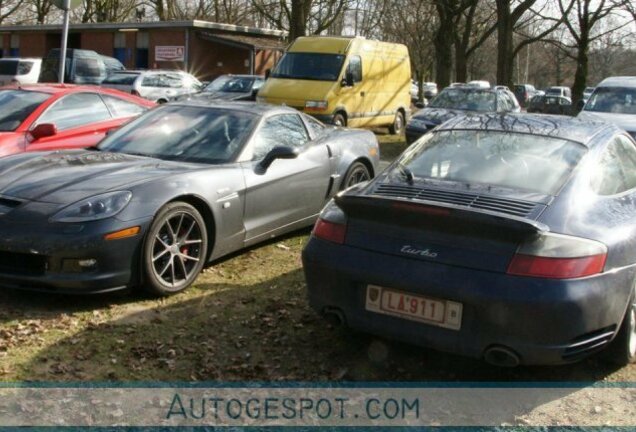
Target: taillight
330, 231
557, 256
134, 92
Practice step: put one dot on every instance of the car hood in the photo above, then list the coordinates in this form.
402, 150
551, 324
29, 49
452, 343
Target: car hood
439, 115
67, 177
625, 121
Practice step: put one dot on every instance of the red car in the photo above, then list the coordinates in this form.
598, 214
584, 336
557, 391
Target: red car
60, 116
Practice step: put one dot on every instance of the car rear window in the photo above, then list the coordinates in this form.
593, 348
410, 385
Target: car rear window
462, 99
16, 106
121, 79
511, 160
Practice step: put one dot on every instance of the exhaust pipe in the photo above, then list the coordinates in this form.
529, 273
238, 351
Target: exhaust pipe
334, 316
501, 356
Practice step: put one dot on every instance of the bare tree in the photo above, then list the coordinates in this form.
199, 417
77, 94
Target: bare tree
581, 22
9, 8
301, 17
511, 16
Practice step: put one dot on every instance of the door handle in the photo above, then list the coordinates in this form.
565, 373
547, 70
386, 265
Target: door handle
362, 93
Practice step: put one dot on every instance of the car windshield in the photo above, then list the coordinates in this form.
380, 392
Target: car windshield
309, 66
16, 106
462, 99
230, 84
511, 160
618, 100
184, 133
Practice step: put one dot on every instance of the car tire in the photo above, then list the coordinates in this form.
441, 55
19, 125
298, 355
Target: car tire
175, 249
339, 120
622, 350
161, 101
357, 173
398, 124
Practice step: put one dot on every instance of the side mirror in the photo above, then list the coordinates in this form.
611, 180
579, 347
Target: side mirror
347, 81
43, 130
268, 72
278, 152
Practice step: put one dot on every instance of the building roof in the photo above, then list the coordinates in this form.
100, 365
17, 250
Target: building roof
131, 26
244, 41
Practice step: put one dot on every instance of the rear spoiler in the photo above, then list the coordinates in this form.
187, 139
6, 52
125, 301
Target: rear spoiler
375, 207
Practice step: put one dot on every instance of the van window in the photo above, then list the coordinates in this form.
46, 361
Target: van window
8, 67
355, 68
88, 67
309, 66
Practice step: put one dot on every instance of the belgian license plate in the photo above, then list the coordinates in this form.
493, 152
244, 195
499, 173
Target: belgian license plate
442, 313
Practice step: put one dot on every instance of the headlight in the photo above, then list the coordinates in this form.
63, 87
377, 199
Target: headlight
94, 208
316, 105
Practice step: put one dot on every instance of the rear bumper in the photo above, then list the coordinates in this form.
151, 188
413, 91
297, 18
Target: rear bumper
542, 321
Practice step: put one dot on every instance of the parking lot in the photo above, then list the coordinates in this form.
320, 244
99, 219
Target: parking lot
246, 318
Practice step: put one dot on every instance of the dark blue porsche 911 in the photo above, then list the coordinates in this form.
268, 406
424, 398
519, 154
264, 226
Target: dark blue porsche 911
509, 238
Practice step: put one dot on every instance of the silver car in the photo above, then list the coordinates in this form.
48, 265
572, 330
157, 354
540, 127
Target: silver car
157, 85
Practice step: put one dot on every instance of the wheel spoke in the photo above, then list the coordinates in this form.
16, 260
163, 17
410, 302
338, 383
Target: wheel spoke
183, 267
166, 267
188, 257
187, 234
174, 276
162, 253
163, 243
179, 226
172, 233
188, 242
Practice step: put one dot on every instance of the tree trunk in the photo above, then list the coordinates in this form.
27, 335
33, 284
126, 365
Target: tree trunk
505, 54
461, 63
580, 76
298, 19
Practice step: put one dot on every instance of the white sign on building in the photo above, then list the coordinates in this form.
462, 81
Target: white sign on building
169, 53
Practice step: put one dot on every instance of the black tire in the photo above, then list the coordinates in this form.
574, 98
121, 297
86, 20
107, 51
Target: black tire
357, 172
398, 124
175, 249
622, 350
339, 119
161, 101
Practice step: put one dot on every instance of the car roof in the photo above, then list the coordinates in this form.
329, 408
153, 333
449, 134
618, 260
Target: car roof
62, 89
242, 76
618, 81
251, 107
563, 127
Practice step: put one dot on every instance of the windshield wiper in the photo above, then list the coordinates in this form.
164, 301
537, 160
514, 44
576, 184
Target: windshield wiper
93, 148
406, 172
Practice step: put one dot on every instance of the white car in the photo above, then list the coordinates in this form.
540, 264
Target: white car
613, 101
19, 70
156, 85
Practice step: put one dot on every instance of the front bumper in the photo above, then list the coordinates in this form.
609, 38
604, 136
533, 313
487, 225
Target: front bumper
542, 321
44, 257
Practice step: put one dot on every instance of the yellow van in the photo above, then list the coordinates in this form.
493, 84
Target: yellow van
344, 81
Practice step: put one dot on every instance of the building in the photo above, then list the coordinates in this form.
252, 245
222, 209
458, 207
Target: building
205, 49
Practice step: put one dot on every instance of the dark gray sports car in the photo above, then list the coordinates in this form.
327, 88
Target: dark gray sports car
180, 186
